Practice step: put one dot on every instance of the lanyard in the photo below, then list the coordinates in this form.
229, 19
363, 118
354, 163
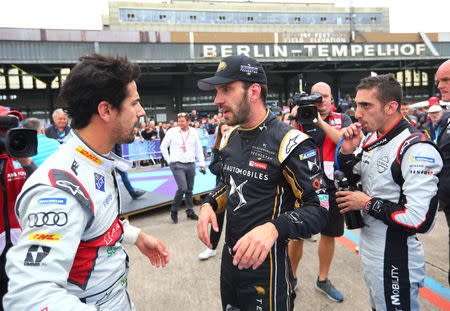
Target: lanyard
183, 145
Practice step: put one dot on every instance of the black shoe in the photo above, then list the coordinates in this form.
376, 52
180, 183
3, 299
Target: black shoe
192, 216
137, 194
174, 216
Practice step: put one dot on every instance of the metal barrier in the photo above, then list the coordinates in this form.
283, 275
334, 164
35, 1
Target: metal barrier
150, 150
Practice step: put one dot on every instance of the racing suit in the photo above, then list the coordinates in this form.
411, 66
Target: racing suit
69, 255
266, 180
392, 256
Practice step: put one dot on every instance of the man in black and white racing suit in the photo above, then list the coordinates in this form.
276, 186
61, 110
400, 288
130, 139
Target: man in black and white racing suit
69, 256
398, 169
273, 187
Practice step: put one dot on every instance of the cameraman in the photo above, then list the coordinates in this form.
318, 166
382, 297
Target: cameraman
12, 178
326, 132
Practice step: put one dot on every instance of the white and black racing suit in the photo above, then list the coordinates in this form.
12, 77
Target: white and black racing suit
399, 171
271, 173
69, 256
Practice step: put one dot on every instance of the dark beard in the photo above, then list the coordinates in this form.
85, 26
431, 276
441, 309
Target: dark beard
242, 113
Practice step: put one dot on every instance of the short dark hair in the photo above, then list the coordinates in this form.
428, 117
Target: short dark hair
388, 88
264, 89
94, 79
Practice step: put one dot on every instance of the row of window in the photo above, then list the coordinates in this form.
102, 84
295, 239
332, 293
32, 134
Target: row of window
15, 79
18, 79
207, 17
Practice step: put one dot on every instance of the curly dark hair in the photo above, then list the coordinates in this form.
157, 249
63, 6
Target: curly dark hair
94, 79
388, 88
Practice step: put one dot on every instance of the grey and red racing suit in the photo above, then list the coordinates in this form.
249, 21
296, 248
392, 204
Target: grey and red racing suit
399, 171
69, 256
271, 173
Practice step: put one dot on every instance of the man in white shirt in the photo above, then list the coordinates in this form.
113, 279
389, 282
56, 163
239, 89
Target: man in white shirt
185, 147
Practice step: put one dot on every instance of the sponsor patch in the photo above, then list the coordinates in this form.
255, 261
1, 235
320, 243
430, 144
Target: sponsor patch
45, 237
16, 164
324, 201
89, 155
60, 201
35, 255
308, 154
99, 182
107, 201
74, 167
47, 219
423, 159
258, 165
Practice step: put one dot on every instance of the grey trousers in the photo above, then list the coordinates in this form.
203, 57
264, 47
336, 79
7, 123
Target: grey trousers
184, 174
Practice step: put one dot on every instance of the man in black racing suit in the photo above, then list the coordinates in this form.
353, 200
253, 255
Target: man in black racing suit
271, 195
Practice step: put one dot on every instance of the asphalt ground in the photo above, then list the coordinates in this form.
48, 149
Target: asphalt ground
188, 283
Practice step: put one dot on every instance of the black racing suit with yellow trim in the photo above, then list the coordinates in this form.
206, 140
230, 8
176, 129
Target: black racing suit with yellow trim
265, 181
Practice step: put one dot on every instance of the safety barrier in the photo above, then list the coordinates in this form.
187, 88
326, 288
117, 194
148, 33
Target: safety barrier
150, 149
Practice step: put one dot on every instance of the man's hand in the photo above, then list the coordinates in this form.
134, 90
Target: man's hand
25, 161
351, 200
205, 217
251, 250
353, 136
153, 248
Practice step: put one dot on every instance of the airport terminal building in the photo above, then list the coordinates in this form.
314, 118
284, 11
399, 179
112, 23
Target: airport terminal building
179, 42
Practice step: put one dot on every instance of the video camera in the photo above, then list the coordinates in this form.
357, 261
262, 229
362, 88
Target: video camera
307, 110
17, 142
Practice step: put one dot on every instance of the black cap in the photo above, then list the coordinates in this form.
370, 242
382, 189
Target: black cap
235, 68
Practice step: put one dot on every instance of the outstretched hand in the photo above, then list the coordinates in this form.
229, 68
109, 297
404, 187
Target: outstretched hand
153, 248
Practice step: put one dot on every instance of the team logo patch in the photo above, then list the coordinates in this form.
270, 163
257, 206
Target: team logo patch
35, 255
324, 202
74, 167
60, 201
423, 159
99, 182
258, 165
53, 237
307, 155
89, 155
222, 66
47, 219
382, 164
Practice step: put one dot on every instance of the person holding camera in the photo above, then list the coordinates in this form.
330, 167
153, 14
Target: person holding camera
185, 148
326, 133
13, 173
70, 254
270, 197
397, 167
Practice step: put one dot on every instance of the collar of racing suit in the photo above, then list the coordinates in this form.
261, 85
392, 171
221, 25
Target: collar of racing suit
108, 161
261, 126
398, 127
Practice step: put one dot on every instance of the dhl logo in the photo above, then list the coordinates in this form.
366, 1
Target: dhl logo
45, 236
89, 155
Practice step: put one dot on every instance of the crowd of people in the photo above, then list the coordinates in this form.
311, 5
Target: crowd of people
276, 185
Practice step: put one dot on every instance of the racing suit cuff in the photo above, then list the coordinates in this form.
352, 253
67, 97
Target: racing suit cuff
282, 225
374, 208
209, 199
130, 233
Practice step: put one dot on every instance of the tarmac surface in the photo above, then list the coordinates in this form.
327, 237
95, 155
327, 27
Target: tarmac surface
188, 283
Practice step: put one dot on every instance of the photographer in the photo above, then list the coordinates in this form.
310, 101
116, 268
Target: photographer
326, 133
12, 178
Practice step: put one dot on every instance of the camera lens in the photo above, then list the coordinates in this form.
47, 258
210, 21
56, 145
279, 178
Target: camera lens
18, 141
307, 114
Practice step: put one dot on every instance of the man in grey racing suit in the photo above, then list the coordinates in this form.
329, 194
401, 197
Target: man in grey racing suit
398, 169
69, 256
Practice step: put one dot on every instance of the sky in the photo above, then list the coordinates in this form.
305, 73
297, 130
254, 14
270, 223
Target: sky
406, 16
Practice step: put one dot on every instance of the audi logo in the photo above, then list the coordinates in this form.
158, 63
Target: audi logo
47, 219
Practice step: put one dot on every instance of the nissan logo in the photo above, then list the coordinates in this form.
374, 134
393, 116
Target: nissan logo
47, 219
